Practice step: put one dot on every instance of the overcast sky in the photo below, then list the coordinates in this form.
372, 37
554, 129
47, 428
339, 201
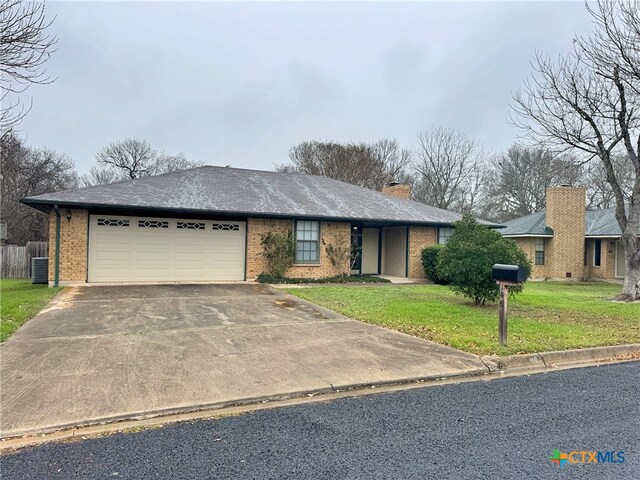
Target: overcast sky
239, 84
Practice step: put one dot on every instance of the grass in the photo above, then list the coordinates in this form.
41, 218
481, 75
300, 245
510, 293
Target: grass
19, 301
546, 316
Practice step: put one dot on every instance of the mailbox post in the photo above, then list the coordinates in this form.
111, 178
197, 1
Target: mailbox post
506, 276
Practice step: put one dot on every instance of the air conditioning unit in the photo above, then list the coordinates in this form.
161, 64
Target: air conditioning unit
40, 270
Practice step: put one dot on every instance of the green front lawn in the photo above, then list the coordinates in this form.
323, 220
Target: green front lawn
19, 301
546, 316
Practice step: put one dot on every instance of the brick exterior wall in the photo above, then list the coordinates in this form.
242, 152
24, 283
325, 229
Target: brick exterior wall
419, 237
330, 233
607, 268
565, 215
528, 245
73, 245
565, 252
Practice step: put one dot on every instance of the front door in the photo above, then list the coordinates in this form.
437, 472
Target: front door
370, 247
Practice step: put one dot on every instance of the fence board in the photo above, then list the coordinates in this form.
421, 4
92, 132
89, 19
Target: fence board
15, 261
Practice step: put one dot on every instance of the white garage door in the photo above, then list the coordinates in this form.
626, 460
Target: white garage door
145, 249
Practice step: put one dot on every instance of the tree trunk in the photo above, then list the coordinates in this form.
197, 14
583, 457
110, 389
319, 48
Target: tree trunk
631, 246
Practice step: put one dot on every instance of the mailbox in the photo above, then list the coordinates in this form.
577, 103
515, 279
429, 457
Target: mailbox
508, 273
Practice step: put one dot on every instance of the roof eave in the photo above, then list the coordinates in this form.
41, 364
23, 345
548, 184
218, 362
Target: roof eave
521, 235
47, 205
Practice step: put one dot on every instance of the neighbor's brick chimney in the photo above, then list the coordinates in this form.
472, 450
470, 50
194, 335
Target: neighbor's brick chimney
565, 214
397, 189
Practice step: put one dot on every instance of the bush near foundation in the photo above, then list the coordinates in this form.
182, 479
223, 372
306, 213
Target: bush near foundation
265, 278
279, 249
430, 258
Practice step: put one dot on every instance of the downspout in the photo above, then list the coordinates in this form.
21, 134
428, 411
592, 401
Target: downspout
56, 268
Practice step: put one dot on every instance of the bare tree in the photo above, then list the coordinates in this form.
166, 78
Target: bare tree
367, 165
588, 101
521, 176
131, 159
449, 169
24, 48
599, 192
100, 176
26, 172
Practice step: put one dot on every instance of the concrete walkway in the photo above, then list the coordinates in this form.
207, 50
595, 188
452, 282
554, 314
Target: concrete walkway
104, 353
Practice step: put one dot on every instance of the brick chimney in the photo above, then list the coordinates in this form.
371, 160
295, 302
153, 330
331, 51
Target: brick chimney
565, 214
397, 189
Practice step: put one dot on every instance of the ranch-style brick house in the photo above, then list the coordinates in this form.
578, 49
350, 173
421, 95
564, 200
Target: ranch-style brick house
207, 224
566, 241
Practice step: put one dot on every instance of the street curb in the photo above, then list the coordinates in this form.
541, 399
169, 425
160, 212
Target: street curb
560, 358
214, 407
494, 367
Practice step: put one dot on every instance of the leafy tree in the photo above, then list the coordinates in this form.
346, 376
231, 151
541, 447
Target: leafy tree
467, 258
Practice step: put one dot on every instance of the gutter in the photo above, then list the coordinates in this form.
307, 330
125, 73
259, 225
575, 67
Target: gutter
56, 276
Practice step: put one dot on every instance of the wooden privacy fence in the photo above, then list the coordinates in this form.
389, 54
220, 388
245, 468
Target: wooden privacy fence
15, 261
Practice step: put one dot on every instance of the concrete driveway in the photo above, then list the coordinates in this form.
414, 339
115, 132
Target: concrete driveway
104, 353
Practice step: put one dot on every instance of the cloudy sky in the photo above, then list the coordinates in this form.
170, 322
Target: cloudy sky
240, 83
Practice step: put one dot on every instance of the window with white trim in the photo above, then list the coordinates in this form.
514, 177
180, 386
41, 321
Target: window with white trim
443, 234
307, 241
539, 251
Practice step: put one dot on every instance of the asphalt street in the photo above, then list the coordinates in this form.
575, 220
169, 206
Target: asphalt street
504, 428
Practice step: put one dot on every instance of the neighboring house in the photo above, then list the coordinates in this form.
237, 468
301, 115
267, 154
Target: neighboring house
565, 241
207, 224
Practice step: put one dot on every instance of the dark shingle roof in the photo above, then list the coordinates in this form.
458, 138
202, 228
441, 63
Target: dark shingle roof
598, 223
530, 225
250, 192
602, 222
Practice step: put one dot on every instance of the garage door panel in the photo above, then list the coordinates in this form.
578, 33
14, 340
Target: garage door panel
152, 274
115, 274
192, 242
218, 244
186, 274
111, 239
152, 257
113, 255
191, 256
155, 249
150, 240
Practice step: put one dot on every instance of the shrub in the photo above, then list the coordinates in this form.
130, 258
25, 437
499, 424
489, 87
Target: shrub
430, 258
265, 278
468, 256
339, 254
280, 251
